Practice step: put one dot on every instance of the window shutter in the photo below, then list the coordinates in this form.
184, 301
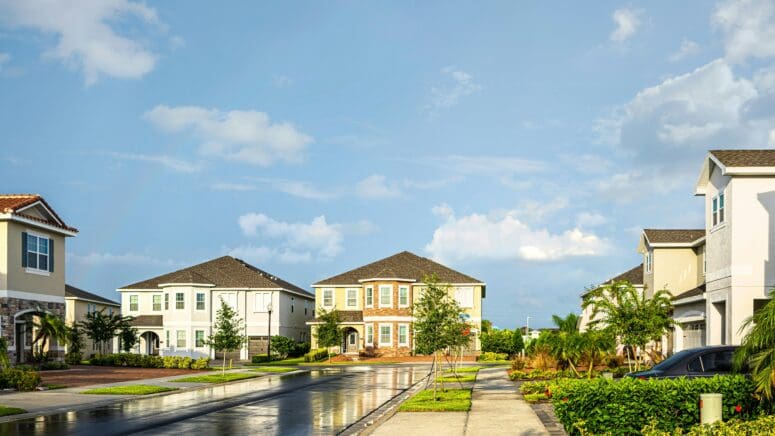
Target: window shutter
51, 255
24, 249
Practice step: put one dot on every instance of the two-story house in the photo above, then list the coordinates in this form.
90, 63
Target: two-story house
78, 304
634, 276
175, 312
32, 273
374, 303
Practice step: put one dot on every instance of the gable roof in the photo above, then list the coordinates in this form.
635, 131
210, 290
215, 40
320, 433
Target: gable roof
403, 265
15, 204
634, 276
673, 236
759, 162
73, 292
745, 158
223, 272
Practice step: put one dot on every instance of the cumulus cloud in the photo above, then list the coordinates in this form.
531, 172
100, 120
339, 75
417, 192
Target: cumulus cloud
627, 22
87, 38
688, 48
748, 27
240, 136
504, 237
457, 84
169, 162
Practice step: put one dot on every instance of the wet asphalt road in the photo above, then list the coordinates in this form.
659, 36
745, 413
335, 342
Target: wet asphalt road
320, 402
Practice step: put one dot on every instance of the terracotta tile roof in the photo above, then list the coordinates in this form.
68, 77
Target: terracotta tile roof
148, 321
72, 291
745, 158
223, 272
676, 236
11, 203
347, 316
404, 265
699, 290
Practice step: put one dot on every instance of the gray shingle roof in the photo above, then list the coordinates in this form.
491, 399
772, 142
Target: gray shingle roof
72, 291
699, 290
745, 158
676, 236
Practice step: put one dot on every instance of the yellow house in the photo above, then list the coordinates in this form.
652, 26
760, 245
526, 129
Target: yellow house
78, 304
374, 303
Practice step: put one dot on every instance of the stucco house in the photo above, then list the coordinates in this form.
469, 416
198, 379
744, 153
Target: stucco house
175, 312
78, 304
32, 268
374, 303
632, 275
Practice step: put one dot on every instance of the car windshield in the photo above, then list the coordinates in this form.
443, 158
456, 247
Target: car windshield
672, 360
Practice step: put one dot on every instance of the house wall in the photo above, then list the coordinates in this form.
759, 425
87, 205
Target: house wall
718, 246
16, 278
76, 310
675, 269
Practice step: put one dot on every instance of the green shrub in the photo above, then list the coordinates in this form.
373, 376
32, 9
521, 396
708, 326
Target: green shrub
260, 358
502, 341
759, 426
300, 349
202, 363
315, 355
48, 366
283, 346
535, 387
518, 363
171, 361
185, 362
19, 379
599, 405
74, 358
489, 356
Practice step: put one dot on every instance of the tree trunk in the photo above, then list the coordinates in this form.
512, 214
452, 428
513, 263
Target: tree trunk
629, 361
573, 367
591, 365
223, 367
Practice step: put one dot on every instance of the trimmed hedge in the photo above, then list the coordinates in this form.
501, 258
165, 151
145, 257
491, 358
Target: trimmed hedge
489, 356
597, 406
315, 355
19, 379
54, 366
145, 361
760, 426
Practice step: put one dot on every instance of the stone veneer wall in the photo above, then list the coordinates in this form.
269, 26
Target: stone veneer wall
10, 307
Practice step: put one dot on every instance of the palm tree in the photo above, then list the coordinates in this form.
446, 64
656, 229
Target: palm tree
758, 348
596, 343
566, 344
101, 327
48, 327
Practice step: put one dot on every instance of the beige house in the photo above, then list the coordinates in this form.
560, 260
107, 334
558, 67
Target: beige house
175, 313
633, 275
79, 303
375, 301
32, 268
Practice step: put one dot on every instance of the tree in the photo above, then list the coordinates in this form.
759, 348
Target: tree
595, 344
566, 343
757, 350
74, 344
48, 327
437, 324
102, 328
328, 333
227, 334
128, 336
486, 326
632, 317
502, 341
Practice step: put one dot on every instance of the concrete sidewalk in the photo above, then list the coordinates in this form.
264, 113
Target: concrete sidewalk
496, 409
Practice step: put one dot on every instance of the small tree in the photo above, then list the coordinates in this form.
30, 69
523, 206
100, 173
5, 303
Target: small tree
102, 328
757, 350
565, 344
486, 326
128, 336
227, 334
74, 344
48, 328
5, 362
595, 344
328, 333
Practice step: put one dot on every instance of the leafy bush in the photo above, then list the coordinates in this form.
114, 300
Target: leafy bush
492, 357
185, 362
599, 405
315, 355
535, 387
74, 358
202, 363
283, 346
171, 361
260, 358
539, 374
19, 379
301, 349
54, 365
127, 359
502, 341
518, 363
762, 425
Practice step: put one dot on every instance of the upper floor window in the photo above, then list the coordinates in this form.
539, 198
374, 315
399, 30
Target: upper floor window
649, 260
385, 296
293, 300
200, 301
179, 301
262, 301
328, 297
718, 209
36, 252
465, 297
230, 299
352, 298
157, 303
369, 296
166, 301
403, 296
134, 305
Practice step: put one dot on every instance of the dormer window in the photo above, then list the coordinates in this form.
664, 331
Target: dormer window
718, 209
36, 253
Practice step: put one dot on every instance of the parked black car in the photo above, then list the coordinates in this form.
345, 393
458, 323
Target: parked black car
694, 362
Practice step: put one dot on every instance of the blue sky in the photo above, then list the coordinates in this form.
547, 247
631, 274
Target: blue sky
523, 144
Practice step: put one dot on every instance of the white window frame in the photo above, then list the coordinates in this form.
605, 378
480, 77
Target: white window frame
408, 301
649, 260
167, 338
333, 297
369, 296
369, 335
261, 300
196, 339
228, 299
153, 303
405, 343
354, 297
182, 301
37, 269
464, 304
177, 339
381, 287
204, 301
390, 342
137, 303
718, 206
166, 301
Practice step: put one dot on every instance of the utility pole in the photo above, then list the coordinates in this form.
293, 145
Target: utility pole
527, 326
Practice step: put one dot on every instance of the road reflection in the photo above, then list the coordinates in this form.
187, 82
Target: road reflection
319, 402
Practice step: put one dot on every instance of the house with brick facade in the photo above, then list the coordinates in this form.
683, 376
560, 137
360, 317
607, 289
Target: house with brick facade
374, 303
32, 269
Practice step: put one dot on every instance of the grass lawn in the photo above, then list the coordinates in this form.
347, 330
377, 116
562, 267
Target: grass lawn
460, 378
466, 369
285, 362
216, 378
53, 386
448, 400
5, 411
129, 390
273, 369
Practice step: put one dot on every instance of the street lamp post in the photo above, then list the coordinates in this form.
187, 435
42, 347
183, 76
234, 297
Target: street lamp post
269, 334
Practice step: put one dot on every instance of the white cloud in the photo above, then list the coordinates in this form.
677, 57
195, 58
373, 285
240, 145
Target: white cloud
177, 165
590, 219
376, 186
123, 259
488, 164
688, 48
240, 136
535, 211
315, 240
298, 189
226, 186
627, 23
4, 59
505, 237
458, 84
442, 210
748, 27
280, 81
86, 38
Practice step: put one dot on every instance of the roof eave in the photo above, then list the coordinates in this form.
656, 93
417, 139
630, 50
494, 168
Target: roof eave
42, 225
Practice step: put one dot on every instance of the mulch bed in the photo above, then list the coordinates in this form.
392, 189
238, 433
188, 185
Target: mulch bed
85, 375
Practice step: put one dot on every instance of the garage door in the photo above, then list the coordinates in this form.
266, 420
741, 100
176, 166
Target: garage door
694, 335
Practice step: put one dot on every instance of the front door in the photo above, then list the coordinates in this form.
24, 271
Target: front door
352, 342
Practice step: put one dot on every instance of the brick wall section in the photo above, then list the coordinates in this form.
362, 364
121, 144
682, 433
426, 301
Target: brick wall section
10, 307
384, 311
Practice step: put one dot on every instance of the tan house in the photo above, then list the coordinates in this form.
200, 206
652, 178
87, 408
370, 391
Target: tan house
175, 312
32, 268
79, 303
633, 275
375, 301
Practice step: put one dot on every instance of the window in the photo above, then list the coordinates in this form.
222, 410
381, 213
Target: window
133, 304
369, 296
110, 311
35, 252
262, 301
385, 296
718, 209
649, 260
306, 304
386, 334
369, 335
352, 298
181, 336
328, 297
167, 338
403, 296
179, 302
200, 301
199, 338
157, 303
166, 301
403, 334
292, 301
230, 299
465, 297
